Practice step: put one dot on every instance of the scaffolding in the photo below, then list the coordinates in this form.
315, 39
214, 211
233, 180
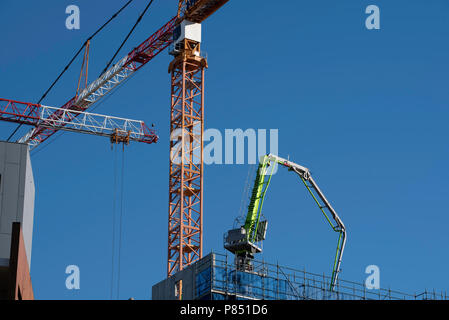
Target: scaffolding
216, 278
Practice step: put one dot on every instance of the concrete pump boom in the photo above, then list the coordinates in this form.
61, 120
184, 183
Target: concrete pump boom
337, 226
243, 241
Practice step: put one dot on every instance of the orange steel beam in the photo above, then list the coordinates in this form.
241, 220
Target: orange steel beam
199, 10
185, 221
84, 70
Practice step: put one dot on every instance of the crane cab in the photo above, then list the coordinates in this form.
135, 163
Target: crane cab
186, 30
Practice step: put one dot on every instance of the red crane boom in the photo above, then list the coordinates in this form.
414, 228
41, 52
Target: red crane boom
132, 62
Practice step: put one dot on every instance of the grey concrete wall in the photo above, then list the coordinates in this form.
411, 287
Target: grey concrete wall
16, 195
165, 290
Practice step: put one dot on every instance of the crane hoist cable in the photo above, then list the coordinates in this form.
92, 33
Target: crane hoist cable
114, 197
127, 37
118, 196
121, 220
72, 60
243, 241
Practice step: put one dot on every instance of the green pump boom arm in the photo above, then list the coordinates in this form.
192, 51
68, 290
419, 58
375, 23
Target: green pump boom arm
261, 183
336, 223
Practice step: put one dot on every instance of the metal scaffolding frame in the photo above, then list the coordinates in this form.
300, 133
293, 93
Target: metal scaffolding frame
268, 281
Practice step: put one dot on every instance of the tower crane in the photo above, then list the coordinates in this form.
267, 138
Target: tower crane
196, 10
185, 214
244, 241
182, 34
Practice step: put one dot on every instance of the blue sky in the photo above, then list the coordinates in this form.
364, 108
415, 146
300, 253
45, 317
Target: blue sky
366, 111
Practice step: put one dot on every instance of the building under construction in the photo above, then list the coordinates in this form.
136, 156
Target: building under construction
236, 275
16, 221
216, 277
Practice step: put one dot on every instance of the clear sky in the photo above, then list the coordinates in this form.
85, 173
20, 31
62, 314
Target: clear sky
365, 110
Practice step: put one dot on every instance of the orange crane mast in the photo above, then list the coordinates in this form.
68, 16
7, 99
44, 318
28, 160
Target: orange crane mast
185, 214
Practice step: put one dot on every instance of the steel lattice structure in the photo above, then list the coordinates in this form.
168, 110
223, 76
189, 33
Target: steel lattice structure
187, 94
185, 222
118, 129
116, 75
195, 10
